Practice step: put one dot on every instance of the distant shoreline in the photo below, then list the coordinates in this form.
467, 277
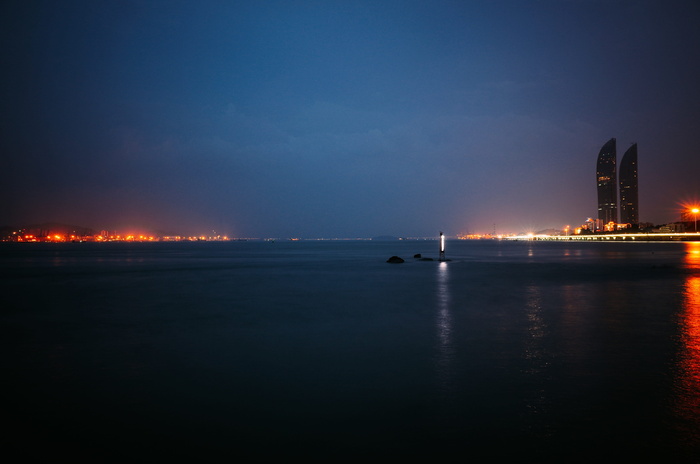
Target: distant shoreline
675, 237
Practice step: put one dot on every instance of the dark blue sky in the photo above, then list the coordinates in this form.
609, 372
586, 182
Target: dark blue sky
342, 119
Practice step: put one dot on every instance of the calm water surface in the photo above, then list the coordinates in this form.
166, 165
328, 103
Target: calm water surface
320, 349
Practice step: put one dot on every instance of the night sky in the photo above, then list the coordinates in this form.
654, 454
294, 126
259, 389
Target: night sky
342, 118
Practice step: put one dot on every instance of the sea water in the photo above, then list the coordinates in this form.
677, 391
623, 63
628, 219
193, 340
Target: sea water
323, 350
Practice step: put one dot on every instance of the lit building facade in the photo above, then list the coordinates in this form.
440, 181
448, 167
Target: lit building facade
606, 177
629, 196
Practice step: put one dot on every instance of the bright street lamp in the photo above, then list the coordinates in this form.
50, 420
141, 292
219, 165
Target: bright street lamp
695, 211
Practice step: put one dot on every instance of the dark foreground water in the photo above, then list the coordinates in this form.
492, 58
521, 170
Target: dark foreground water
511, 351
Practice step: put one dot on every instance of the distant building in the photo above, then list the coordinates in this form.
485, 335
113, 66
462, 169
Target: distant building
607, 182
673, 228
629, 197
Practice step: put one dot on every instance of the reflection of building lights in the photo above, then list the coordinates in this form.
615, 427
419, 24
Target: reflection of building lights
692, 257
688, 381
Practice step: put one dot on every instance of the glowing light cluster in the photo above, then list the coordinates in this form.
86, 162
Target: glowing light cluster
104, 236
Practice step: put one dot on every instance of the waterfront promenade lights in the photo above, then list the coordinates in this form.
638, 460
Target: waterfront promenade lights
695, 212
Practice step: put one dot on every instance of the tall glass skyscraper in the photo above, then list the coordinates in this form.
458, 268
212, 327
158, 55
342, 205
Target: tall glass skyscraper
607, 182
629, 198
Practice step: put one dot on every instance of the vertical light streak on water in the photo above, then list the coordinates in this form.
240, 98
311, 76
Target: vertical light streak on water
687, 384
530, 251
535, 330
536, 359
445, 350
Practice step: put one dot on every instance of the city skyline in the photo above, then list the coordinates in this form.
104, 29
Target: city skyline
313, 119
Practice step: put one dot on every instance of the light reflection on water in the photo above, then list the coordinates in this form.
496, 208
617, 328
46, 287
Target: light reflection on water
554, 346
536, 356
687, 382
444, 328
536, 330
575, 334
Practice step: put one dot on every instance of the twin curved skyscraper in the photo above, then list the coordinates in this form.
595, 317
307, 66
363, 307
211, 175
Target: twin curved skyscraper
607, 181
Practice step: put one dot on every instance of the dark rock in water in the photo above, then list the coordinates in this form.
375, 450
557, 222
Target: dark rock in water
417, 255
394, 259
426, 259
